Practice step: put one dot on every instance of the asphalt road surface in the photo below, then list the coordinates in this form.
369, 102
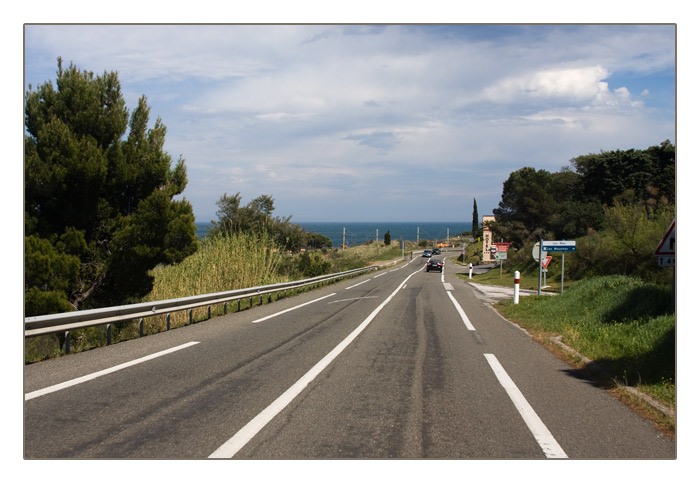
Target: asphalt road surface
399, 363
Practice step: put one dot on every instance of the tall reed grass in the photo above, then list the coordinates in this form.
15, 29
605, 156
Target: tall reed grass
222, 263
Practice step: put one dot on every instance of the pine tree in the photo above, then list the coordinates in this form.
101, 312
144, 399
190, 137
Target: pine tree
475, 222
99, 207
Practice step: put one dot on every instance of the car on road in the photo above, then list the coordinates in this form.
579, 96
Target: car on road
436, 251
427, 253
433, 264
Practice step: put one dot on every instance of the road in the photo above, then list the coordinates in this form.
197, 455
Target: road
398, 363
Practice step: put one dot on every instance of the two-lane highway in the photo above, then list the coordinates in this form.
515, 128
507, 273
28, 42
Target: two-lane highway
400, 363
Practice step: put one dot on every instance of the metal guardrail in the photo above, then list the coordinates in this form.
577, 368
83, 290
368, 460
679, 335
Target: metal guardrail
67, 321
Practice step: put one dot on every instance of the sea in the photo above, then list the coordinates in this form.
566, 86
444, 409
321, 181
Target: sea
357, 233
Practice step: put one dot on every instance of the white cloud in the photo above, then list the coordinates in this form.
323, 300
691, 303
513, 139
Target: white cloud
571, 85
299, 112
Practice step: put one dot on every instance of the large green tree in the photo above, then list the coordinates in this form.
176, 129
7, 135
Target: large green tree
526, 205
100, 207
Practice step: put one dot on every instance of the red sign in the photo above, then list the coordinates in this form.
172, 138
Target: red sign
502, 247
546, 261
668, 242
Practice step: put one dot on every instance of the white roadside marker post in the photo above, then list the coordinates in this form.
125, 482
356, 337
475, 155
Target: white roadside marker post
516, 291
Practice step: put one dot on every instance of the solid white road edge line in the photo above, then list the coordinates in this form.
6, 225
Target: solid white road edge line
248, 432
293, 308
465, 319
544, 438
94, 375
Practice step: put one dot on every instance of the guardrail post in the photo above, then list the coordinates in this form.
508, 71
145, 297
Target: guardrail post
141, 327
190, 316
167, 321
67, 345
208, 312
516, 290
225, 306
109, 334
239, 305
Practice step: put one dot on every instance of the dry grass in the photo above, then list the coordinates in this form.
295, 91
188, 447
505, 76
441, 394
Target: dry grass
222, 263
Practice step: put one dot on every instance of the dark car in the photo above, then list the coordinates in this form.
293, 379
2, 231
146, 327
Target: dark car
436, 251
427, 253
433, 264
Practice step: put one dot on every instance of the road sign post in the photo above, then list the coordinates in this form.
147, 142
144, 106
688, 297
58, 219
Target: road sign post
539, 262
561, 289
545, 263
562, 246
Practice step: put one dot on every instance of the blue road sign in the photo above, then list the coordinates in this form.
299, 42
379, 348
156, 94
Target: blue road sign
559, 246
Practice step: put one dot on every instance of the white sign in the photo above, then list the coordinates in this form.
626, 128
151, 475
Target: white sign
536, 252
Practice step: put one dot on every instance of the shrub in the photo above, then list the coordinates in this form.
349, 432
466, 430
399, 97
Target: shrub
313, 265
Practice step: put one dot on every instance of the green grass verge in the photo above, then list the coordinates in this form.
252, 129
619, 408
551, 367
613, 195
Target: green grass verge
505, 277
621, 323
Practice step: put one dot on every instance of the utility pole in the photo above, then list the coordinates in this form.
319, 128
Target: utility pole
343, 238
418, 235
377, 235
448, 237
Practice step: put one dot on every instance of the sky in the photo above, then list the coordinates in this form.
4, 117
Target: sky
370, 122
